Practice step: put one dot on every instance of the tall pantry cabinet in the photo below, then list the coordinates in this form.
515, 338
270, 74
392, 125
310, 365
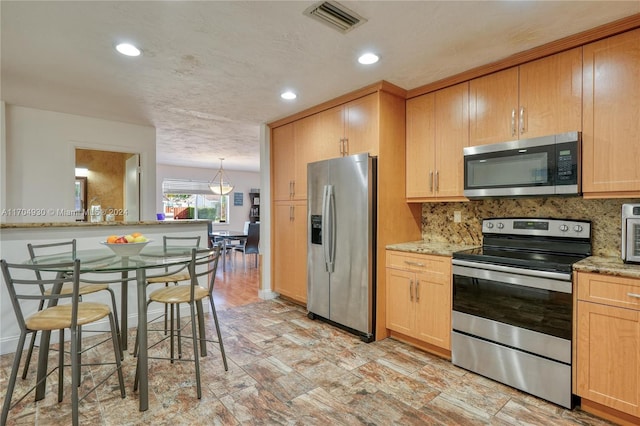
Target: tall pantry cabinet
372, 120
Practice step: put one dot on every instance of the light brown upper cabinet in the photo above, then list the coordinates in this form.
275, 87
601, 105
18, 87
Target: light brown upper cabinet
290, 158
611, 108
535, 99
437, 126
348, 129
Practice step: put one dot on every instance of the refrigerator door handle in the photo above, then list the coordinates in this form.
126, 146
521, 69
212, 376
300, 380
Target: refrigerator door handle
328, 227
325, 226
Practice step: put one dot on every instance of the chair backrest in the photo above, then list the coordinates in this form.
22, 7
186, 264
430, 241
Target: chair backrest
190, 241
210, 264
21, 290
253, 239
65, 249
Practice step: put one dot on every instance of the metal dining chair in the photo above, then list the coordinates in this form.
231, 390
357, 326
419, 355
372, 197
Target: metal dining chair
67, 249
72, 315
251, 244
193, 294
176, 276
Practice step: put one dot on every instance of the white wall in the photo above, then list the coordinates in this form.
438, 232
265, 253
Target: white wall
39, 160
242, 182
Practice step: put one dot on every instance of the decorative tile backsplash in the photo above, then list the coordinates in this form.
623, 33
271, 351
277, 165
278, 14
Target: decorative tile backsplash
438, 224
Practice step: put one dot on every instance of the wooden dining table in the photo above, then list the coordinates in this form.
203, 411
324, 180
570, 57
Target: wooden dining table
102, 261
227, 236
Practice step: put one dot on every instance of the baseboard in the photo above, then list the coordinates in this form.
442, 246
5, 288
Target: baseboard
267, 294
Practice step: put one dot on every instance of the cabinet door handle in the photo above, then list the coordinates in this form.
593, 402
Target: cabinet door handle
293, 188
411, 290
290, 189
417, 290
409, 262
431, 181
522, 129
513, 122
346, 146
437, 180
633, 295
290, 212
341, 143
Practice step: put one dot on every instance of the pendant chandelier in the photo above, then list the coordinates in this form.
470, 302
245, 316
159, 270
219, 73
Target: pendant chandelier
220, 183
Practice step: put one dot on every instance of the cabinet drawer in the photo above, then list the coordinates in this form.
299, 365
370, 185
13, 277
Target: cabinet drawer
609, 290
437, 267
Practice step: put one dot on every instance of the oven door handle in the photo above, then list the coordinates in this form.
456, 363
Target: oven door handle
539, 282
509, 269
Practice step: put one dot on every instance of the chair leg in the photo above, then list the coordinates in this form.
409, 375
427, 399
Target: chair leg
117, 324
203, 337
79, 337
215, 321
75, 376
12, 379
27, 361
195, 349
172, 333
179, 330
61, 366
32, 343
117, 352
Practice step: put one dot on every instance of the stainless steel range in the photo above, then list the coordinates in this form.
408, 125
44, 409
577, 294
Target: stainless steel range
513, 304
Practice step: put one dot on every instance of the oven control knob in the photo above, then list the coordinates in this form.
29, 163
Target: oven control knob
577, 228
489, 225
564, 228
500, 225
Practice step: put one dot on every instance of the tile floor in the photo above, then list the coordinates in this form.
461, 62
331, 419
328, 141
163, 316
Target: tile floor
285, 369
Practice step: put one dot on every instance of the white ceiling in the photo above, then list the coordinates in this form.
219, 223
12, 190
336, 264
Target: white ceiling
212, 71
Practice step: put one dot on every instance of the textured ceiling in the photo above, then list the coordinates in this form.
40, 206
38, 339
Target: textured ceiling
212, 71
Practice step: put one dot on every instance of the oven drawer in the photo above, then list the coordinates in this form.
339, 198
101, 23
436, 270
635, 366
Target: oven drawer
438, 267
609, 290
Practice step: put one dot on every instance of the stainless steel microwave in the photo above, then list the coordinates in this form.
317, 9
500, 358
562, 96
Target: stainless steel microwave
548, 165
631, 233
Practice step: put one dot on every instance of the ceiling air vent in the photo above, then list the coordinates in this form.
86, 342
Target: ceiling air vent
335, 15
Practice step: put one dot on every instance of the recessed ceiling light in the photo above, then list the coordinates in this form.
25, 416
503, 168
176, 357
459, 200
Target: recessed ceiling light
288, 95
368, 59
128, 49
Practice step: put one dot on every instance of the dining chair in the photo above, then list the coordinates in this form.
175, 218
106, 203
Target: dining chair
73, 315
177, 275
65, 249
193, 294
251, 244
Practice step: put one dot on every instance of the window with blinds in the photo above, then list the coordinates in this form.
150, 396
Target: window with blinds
191, 199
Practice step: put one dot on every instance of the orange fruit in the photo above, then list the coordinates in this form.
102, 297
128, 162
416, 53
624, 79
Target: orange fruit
112, 239
136, 234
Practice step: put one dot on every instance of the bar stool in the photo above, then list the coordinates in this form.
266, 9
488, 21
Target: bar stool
72, 315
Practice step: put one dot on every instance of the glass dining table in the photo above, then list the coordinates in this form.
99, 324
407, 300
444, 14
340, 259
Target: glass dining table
103, 261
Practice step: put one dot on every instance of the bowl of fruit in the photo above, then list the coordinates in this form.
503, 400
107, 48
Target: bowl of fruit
126, 245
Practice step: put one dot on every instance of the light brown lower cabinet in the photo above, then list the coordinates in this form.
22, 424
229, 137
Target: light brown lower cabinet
419, 300
608, 344
290, 250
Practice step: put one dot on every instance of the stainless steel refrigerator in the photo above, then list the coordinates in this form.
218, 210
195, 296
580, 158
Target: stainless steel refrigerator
342, 240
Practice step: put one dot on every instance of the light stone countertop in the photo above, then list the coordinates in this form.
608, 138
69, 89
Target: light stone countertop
425, 247
607, 266
93, 224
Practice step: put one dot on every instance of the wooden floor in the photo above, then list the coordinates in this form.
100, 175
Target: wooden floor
236, 286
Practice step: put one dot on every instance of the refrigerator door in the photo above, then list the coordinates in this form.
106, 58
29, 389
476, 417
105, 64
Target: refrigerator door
317, 267
351, 284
